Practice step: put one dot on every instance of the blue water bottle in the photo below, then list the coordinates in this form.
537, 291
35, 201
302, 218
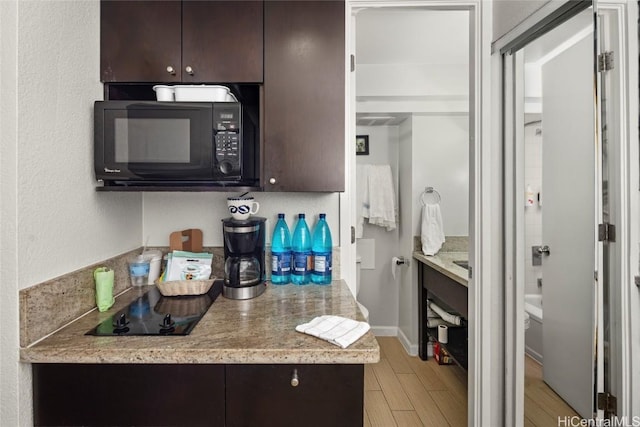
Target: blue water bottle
321, 250
281, 253
301, 253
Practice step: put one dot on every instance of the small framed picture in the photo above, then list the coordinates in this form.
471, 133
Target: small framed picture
362, 145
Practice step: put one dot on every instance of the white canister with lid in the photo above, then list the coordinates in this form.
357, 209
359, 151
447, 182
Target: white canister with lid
155, 259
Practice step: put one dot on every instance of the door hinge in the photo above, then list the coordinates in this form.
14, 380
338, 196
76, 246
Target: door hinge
607, 403
605, 61
353, 63
606, 232
353, 234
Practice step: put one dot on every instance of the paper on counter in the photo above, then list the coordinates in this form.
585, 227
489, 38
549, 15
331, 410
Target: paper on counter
188, 266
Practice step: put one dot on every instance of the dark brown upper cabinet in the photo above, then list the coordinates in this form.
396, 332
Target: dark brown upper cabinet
304, 96
181, 41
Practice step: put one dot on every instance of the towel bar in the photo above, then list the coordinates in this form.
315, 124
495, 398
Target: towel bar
430, 191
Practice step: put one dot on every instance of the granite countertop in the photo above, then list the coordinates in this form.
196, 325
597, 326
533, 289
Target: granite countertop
259, 330
443, 262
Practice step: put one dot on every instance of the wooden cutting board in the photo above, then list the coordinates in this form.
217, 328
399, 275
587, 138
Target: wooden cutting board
186, 240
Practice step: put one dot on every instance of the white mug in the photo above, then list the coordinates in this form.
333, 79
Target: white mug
241, 208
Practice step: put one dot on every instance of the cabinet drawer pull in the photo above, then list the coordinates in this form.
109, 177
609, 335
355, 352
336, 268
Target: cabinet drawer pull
189, 70
294, 379
272, 180
171, 70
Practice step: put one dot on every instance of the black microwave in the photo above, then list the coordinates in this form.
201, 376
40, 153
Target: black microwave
174, 143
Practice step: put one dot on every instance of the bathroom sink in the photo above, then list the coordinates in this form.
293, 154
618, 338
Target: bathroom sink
463, 264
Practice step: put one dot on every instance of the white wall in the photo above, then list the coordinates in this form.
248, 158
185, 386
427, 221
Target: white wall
436, 154
441, 160
53, 220
164, 213
408, 291
378, 291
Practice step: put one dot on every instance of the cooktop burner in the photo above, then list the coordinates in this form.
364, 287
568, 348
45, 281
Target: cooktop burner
154, 314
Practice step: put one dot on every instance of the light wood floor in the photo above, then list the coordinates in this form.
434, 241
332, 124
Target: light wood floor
542, 406
404, 391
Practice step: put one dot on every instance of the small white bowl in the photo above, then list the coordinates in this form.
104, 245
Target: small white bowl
164, 93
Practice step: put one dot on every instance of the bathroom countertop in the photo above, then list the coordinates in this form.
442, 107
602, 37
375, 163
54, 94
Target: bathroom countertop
259, 330
443, 262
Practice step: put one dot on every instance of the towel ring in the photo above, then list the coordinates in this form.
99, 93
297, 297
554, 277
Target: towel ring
432, 193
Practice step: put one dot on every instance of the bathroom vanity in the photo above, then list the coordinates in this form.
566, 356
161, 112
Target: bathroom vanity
443, 280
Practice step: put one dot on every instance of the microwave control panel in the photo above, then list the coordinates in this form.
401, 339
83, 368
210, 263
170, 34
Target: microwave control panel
227, 128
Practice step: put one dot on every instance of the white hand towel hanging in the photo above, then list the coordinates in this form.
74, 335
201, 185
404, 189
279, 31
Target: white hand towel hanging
379, 204
432, 232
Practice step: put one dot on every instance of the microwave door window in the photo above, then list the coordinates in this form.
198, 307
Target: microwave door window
152, 141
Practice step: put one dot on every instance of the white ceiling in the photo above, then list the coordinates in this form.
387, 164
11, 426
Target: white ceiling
415, 35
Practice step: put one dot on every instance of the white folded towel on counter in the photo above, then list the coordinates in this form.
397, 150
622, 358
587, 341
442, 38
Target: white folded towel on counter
337, 330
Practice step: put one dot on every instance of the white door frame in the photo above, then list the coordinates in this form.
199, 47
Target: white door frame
485, 374
627, 301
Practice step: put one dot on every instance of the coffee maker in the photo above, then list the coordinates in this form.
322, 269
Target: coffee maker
244, 272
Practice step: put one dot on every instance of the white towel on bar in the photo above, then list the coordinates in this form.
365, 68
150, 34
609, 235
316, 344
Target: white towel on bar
337, 330
432, 231
379, 198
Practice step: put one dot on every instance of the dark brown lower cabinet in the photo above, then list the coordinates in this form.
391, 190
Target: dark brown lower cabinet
128, 395
295, 395
198, 395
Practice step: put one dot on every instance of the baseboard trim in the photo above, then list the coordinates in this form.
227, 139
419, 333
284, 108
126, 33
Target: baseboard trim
533, 354
385, 331
410, 348
394, 331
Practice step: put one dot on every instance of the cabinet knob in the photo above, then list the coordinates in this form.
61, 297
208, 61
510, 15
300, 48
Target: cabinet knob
189, 70
294, 378
272, 180
171, 70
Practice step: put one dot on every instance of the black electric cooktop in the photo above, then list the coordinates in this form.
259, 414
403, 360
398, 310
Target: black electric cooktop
154, 314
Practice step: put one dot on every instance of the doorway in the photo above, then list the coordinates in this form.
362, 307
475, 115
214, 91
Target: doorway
412, 107
479, 401
562, 138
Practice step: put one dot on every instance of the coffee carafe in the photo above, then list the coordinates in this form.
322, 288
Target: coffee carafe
244, 272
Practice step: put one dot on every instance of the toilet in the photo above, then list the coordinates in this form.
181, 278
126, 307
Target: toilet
363, 309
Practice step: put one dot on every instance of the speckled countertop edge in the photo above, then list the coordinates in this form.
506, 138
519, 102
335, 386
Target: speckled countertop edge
260, 330
443, 262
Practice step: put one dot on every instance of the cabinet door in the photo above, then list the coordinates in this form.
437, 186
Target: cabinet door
222, 41
128, 395
264, 395
304, 89
139, 40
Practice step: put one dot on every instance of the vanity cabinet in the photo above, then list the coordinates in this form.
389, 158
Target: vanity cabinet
304, 96
181, 41
198, 395
452, 297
